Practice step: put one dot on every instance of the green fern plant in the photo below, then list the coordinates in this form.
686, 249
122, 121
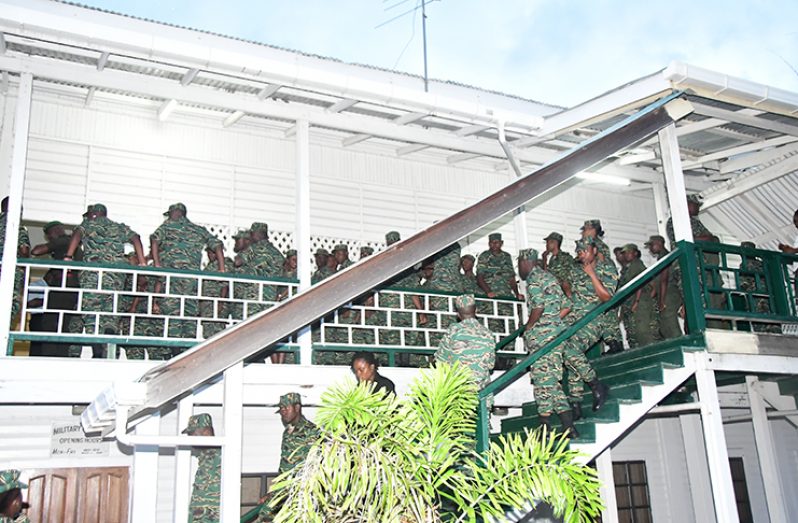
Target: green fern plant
383, 460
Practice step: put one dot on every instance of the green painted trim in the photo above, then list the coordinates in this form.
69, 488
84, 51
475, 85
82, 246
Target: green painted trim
422, 290
252, 515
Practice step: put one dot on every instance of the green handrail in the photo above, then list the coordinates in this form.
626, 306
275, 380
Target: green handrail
252, 515
684, 251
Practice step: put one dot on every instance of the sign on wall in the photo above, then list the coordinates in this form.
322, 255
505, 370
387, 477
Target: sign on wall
68, 440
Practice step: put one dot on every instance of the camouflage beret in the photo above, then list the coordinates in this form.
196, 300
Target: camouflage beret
392, 237
495, 236
748, 245
366, 251
198, 421
583, 243
175, 207
654, 238
99, 207
629, 247
9, 480
50, 225
593, 224
292, 398
259, 227
341, 247
290, 252
322, 252
528, 254
695, 198
465, 301
240, 235
554, 236
469, 256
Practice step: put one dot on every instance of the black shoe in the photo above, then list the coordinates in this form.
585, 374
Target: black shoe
615, 347
600, 393
576, 408
567, 419
545, 423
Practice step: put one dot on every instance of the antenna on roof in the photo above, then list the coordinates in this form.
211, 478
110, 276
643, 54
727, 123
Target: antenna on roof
420, 4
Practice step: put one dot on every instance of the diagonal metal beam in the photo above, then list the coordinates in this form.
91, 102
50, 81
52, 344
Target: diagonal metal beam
211, 357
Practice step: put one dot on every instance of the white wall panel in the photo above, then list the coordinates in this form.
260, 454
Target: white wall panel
55, 181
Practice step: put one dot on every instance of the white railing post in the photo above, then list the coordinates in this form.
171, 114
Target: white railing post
182, 492
19, 157
607, 489
230, 508
145, 473
302, 231
674, 178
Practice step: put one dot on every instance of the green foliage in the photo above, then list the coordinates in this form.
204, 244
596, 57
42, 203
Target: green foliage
383, 460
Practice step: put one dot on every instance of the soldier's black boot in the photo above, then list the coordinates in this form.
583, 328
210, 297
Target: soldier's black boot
545, 423
567, 419
600, 393
576, 408
615, 347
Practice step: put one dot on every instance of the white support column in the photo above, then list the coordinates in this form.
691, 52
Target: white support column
715, 441
19, 157
302, 231
230, 507
697, 468
182, 491
674, 179
768, 463
607, 489
661, 208
145, 473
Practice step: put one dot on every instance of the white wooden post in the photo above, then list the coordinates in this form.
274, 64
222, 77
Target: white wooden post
768, 463
715, 441
230, 507
145, 473
697, 468
607, 489
661, 208
302, 230
674, 178
19, 157
182, 492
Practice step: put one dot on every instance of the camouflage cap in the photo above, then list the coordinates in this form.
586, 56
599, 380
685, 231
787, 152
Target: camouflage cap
528, 254
89, 210
50, 225
322, 252
748, 245
696, 199
198, 421
366, 251
99, 207
592, 224
9, 480
241, 234
392, 236
259, 227
290, 252
495, 236
465, 301
175, 207
469, 256
583, 243
654, 238
292, 398
341, 247
553, 236
629, 247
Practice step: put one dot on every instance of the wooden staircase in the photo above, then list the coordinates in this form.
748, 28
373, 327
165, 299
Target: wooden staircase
639, 380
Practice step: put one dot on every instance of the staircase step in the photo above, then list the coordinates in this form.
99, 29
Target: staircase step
609, 413
639, 358
586, 429
649, 375
671, 359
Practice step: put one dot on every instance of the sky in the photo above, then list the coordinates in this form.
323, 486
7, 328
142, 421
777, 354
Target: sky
560, 52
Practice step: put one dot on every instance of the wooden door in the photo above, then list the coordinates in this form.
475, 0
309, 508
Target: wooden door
79, 495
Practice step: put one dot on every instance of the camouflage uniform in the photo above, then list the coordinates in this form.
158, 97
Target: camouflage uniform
262, 260
561, 265
470, 343
468, 282
103, 242
668, 316
206, 493
347, 262
497, 269
23, 240
337, 335
642, 325
408, 279
209, 308
9, 480
181, 244
321, 274
142, 326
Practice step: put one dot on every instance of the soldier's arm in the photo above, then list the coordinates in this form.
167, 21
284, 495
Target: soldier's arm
514, 286
41, 249
566, 288
601, 291
534, 316
155, 251
484, 285
73, 244
139, 248
220, 257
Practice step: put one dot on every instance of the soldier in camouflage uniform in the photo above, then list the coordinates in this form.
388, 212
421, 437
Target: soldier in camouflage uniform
407, 279
593, 281
752, 279
206, 493
495, 271
214, 289
11, 496
341, 255
322, 270
103, 242
179, 244
263, 260
469, 342
639, 311
669, 298
241, 290
547, 305
558, 262
468, 280
298, 437
289, 271
142, 326
445, 277
365, 252
612, 326
23, 251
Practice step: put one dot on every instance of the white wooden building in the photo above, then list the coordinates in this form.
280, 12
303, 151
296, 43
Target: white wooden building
100, 107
